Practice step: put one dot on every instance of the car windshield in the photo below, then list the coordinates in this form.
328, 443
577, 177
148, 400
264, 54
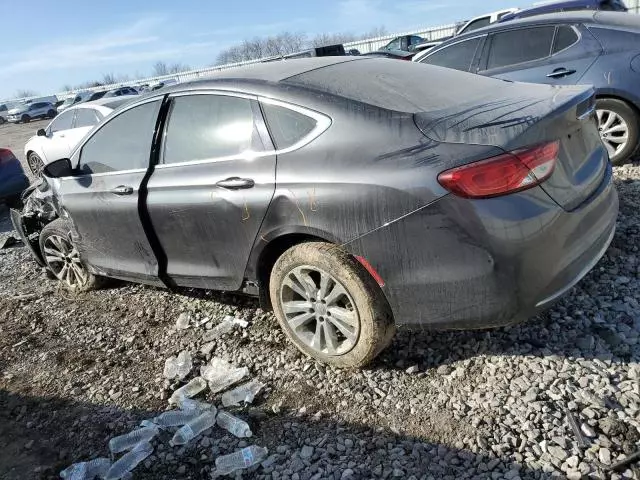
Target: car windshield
69, 101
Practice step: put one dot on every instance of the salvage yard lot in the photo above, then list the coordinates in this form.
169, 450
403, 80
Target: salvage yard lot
76, 370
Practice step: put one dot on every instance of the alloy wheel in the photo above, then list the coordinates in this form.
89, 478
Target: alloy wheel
35, 164
64, 261
319, 311
614, 131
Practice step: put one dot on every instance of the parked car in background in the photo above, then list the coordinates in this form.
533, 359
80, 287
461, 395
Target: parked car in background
594, 48
405, 43
447, 229
426, 46
61, 136
395, 54
25, 112
118, 92
96, 96
4, 109
164, 83
484, 20
566, 6
13, 181
73, 100
47, 99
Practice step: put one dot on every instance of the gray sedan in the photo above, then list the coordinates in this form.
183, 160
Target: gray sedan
348, 194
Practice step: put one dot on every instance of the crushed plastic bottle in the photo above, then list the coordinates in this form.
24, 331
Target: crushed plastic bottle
131, 439
175, 418
87, 470
195, 427
129, 461
189, 390
189, 404
238, 460
234, 425
243, 393
221, 374
178, 367
240, 322
224, 327
183, 321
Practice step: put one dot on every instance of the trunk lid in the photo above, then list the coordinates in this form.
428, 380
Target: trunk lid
515, 115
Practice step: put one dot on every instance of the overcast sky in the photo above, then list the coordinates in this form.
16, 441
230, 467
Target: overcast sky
46, 45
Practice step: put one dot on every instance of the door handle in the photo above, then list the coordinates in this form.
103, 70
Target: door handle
236, 183
122, 190
560, 72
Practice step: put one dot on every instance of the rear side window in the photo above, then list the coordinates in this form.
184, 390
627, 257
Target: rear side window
519, 46
203, 127
286, 126
124, 143
458, 56
476, 24
565, 37
85, 117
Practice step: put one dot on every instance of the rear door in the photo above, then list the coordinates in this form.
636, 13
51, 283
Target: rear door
552, 54
102, 198
209, 194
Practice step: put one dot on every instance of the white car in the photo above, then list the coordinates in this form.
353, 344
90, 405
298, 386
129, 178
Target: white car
484, 20
62, 135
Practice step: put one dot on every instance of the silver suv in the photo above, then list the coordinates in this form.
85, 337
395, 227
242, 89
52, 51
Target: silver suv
28, 111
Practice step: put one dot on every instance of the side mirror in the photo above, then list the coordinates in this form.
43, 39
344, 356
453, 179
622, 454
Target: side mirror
41, 133
58, 168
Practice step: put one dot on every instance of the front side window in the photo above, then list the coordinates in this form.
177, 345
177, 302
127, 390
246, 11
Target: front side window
85, 117
124, 143
64, 121
287, 127
518, 46
205, 127
394, 45
458, 56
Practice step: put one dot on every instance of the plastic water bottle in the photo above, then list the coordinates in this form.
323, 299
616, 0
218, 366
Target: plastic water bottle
195, 427
178, 367
87, 470
221, 374
182, 323
131, 439
222, 328
189, 390
175, 418
245, 458
243, 393
129, 461
189, 404
234, 425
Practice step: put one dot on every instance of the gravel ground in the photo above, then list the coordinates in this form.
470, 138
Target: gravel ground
76, 370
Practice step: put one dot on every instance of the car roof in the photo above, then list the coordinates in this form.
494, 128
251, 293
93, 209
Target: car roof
546, 6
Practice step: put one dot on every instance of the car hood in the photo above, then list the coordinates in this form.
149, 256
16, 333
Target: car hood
17, 110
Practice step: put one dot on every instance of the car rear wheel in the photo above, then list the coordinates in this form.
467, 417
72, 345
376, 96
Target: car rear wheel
618, 126
51, 113
2, 120
35, 163
329, 306
25, 119
63, 259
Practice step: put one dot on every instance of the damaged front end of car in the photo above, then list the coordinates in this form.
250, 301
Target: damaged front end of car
38, 210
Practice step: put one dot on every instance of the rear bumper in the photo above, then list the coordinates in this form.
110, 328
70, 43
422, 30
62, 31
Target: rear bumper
462, 264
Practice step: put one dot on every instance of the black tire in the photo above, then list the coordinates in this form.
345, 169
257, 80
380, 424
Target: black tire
58, 233
35, 163
630, 117
25, 118
2, 120
51, 114
362, 301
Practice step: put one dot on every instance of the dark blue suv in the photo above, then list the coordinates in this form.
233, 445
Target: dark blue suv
579, 48
567, 6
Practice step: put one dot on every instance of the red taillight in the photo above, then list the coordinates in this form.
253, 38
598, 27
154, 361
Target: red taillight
6, 154
508, 173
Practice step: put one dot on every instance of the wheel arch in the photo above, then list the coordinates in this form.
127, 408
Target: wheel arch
615, 95
271, 247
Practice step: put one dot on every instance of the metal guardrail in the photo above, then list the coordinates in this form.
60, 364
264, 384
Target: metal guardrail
364, 46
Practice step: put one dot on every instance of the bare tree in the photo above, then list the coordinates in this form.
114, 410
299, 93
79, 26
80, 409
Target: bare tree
25, 92
277, 45
108, 78
179, 67
160, 68
380, 31
325, 39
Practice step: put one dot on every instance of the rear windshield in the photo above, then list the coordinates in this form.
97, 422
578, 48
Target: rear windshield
396, 85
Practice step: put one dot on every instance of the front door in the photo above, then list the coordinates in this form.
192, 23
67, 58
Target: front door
209, 194
102, 198
556, 55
